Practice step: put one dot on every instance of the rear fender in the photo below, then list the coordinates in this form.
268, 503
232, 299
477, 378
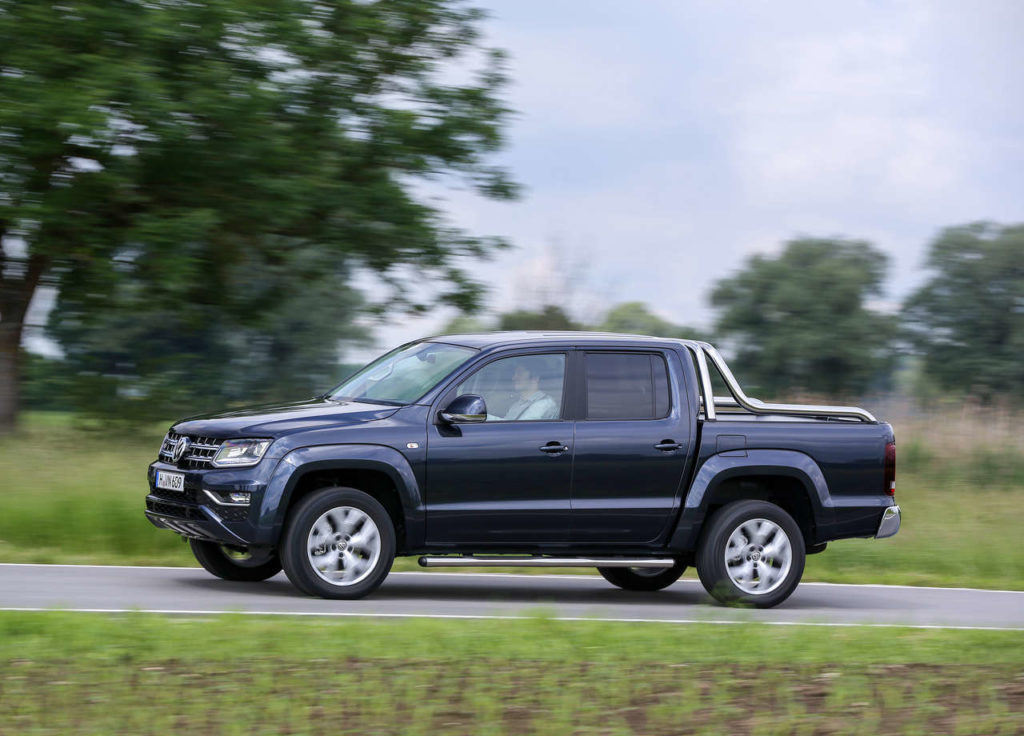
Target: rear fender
720, 468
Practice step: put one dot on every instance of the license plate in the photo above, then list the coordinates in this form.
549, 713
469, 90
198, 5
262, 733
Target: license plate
170, 481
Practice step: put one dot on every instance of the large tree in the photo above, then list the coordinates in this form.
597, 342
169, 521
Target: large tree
967, 321
190, 174
800, 320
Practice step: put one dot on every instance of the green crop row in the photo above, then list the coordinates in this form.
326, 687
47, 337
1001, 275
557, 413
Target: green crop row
92, 674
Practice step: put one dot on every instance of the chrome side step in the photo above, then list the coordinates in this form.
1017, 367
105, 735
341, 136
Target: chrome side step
537, 561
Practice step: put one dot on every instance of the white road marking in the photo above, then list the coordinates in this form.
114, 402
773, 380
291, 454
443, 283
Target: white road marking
99, 567
352, 614
540, 576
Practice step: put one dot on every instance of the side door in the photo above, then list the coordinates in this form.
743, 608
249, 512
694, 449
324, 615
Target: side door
632, 441
504, 482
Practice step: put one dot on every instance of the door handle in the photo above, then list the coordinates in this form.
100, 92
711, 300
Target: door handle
553, 448
667, 445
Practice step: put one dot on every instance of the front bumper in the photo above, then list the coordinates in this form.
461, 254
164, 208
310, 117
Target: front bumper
890, 523
200, 511
197, 522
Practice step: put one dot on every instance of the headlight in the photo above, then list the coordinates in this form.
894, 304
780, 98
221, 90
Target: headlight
239, 453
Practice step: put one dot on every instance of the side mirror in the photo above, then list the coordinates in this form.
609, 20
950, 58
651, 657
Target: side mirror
465, 409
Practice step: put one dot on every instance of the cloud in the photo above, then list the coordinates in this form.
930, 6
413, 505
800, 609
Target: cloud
662, 143
843, 120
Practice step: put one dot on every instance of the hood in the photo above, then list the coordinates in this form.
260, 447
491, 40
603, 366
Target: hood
275, 420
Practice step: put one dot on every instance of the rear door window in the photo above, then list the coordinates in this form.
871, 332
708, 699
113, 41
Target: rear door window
626, 386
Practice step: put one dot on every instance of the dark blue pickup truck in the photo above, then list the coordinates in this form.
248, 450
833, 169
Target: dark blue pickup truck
568, 449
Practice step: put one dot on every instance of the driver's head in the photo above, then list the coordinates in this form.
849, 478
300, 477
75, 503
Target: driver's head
526, 378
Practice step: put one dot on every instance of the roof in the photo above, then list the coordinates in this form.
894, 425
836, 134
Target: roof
535, 337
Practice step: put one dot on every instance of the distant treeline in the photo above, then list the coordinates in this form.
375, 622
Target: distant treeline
799, 323
803, 322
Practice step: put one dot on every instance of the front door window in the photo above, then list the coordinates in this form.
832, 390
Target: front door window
521, 388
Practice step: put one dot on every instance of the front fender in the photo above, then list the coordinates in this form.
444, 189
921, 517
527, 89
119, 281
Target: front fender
302, 460
720, 468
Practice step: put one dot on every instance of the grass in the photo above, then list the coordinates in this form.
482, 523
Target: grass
94, 674
960, 501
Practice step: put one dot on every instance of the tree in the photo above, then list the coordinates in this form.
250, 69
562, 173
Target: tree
135, 362
635, 318
800, 321
465, 323
549, 317
172, 167
967, 321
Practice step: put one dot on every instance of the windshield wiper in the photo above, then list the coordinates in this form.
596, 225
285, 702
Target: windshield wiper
388, 402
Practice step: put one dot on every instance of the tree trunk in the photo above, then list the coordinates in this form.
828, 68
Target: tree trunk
15, 296
10, 337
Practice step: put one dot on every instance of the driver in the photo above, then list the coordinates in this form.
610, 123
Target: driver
532, 402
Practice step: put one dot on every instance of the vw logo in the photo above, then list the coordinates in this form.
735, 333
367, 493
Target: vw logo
180, 448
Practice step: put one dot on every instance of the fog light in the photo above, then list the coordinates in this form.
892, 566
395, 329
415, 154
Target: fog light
240, 496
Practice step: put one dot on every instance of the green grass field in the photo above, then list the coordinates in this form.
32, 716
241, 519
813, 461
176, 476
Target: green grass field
93, 674
74, 495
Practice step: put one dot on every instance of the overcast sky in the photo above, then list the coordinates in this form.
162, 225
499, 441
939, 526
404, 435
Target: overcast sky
661, 143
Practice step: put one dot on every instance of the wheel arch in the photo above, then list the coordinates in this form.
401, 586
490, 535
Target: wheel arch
380, 471
792, 480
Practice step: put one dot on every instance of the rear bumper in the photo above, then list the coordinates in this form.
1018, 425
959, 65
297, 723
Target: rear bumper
890, 523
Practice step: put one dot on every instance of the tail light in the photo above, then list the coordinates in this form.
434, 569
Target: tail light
890, 469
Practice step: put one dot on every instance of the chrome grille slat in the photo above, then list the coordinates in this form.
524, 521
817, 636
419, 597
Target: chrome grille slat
200, 452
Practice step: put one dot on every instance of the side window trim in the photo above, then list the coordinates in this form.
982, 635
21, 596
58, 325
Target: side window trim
583, 408
566, 408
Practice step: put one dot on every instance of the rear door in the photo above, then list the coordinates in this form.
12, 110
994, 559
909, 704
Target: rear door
632, 439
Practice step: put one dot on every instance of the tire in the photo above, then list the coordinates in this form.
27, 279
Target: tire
235, 563
744, 530
643, 578
338, 543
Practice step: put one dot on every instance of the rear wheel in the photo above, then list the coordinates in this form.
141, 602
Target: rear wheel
752, 553
643, 578
236, 563
339, 543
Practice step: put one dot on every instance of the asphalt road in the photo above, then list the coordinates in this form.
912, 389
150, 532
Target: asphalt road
482, 595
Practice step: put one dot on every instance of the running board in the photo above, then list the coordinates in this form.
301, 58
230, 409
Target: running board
478, 561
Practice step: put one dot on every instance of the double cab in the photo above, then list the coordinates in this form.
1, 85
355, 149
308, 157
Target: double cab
560, 449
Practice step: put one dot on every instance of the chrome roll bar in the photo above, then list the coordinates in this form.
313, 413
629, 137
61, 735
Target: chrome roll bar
708, 398
703, 352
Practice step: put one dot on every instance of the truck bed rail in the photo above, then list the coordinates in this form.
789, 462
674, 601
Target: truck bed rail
703, 352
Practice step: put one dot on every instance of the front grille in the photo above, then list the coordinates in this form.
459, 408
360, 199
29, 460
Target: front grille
199, 454
189, 495
172, 509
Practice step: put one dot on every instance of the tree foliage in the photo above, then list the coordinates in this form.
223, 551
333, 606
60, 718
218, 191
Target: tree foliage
800, 320
548, 317
967, 321
202, 179
637, 319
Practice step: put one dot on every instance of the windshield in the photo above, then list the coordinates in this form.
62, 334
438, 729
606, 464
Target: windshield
403, 375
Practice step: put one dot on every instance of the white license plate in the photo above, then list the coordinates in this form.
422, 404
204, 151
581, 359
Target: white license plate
170, 481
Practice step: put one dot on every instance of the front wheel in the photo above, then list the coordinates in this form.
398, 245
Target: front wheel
235, 563
339, 543
643, 578
751, 554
